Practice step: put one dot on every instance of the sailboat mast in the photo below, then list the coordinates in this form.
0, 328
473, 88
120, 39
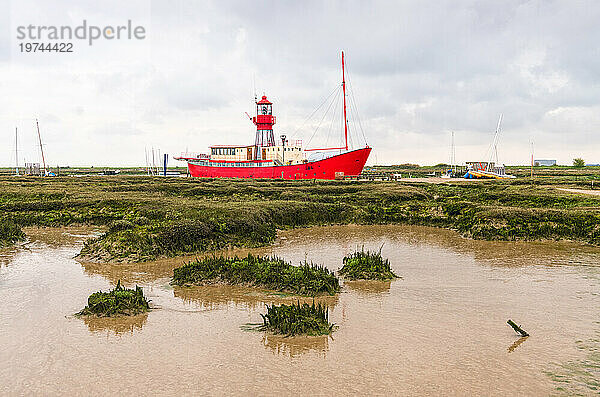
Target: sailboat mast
452, 153
16, 153
496, 137
344, 93
41, 147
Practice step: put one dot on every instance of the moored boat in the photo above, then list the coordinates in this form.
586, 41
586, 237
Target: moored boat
285, 160
490, 169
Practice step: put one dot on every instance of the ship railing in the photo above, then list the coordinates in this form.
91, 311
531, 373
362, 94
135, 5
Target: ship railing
294, 142
194, 155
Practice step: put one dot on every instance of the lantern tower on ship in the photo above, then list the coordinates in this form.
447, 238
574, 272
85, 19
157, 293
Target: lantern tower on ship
264, 121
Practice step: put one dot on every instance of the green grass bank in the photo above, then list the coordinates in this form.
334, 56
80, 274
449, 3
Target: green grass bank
146, 218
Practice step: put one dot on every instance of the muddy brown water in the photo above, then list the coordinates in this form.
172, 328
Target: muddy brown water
440, 330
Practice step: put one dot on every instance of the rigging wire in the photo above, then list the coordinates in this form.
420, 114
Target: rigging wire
335, 101
325, 114
351, 130
314, 111
491, 154
355, 105
333, 117
355, 120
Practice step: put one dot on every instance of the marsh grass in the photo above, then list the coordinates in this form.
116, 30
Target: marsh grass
366, 265
298, 319
10, 233
265, 272
117, 302
148, 218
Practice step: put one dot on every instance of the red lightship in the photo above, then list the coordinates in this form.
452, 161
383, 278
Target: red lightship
266, 159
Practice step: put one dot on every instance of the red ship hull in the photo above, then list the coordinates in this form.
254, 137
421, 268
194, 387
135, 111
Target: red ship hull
349, 164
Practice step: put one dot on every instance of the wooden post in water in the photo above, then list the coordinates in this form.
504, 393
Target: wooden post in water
517, 329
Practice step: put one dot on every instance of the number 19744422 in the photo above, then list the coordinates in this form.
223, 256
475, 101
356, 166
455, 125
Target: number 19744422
46, 47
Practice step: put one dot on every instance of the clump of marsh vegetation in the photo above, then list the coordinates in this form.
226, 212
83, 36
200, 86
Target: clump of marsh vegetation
266, 272
366, 265
117, 302
10, 233
298, 319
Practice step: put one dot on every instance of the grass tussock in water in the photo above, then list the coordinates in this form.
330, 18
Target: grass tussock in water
298, 319
366, 265
117, 302
266, 272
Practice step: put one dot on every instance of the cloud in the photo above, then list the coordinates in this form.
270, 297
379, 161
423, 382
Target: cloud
417, 71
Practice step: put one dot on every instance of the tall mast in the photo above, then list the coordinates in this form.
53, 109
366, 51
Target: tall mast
532, 162
41, 147
452, 153
16, 153
496, 136
344, 89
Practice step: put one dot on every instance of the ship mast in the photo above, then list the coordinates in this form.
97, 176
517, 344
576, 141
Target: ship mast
345, 147
344, 93
41, 147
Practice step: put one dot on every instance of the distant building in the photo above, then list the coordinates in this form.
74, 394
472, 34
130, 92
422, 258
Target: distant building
539, 163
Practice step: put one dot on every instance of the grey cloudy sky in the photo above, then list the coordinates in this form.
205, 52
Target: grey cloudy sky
418, 70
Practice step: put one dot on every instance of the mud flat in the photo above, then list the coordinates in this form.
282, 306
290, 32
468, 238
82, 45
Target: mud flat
408, 336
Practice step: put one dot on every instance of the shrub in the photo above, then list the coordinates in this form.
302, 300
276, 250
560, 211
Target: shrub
578, 163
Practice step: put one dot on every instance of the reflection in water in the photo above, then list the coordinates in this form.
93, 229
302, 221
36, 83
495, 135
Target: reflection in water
294, 346
116, 325
6, 255
133, 273
494, 253
293, 246
501, 253
212, 297
517, 343
39, 238
59, 236
368, 287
